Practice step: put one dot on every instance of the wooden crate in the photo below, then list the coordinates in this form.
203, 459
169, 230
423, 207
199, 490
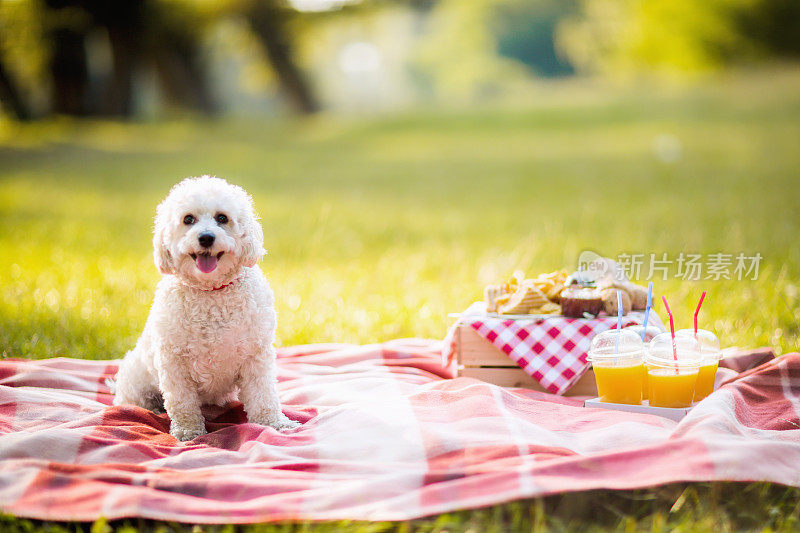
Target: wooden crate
478, 358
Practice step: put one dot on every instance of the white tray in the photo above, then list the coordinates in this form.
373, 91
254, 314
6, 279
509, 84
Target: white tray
667, 412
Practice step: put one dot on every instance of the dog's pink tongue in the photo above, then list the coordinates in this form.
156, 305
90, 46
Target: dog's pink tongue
206, 263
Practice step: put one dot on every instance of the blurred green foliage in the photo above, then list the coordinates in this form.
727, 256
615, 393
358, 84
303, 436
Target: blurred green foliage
478, 48
444, 50
679, 36
458, 52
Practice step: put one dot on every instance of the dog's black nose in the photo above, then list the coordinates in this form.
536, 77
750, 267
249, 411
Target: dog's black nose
206, 239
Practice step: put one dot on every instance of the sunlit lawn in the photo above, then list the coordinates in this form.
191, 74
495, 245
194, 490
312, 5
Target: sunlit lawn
377, 228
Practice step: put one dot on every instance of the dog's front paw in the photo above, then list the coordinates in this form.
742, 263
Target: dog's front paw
278, 421
184, 433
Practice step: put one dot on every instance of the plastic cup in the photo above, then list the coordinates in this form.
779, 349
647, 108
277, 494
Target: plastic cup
672, 370
616, 357
711, 354
651, 331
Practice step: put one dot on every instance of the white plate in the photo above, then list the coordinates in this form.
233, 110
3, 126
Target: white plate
511, 317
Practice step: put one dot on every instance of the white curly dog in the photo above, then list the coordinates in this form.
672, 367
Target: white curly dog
208, 339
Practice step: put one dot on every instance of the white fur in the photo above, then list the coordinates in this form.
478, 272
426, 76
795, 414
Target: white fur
202, 343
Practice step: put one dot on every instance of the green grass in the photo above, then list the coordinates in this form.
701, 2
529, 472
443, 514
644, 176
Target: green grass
692, 508
378, 227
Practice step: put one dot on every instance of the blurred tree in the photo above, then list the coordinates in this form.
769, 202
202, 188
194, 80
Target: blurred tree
268, 20
775, 24
136, 31
163, 35
22, 57
174, 30
122, 20
626, 36
10, 96
67, 27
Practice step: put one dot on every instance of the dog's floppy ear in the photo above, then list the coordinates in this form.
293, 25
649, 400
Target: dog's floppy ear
161, 254
252, 237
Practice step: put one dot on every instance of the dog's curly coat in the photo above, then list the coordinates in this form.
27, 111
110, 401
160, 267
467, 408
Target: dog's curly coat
212, 324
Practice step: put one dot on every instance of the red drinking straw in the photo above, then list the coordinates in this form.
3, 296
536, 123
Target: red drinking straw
696, 311
671, 328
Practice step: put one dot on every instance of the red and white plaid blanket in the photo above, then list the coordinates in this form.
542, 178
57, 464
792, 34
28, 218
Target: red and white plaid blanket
385, 436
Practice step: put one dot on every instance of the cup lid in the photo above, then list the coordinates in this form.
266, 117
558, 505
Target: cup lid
615, 343
709, 343
651, 331
662, 350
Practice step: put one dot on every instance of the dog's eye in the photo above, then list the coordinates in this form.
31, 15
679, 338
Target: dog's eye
189, 220
221, 219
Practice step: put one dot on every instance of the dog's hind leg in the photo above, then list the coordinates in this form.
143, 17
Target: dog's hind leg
136, 386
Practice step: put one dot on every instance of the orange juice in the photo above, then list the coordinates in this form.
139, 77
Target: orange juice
669, 388
616, 356
645, 383
711, 354
705, 381
620, 384
646, 334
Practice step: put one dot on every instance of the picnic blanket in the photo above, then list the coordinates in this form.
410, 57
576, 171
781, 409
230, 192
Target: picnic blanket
386, 435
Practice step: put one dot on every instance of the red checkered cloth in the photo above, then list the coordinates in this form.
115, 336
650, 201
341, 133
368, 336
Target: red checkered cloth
385, 436
551, 350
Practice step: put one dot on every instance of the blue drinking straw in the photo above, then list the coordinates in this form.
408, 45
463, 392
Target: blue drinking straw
619, 320
647, 308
